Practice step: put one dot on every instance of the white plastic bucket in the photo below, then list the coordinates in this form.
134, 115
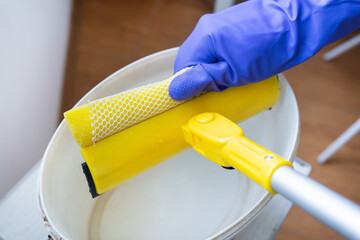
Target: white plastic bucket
186, 197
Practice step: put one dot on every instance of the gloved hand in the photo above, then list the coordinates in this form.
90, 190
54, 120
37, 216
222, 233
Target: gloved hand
257, 39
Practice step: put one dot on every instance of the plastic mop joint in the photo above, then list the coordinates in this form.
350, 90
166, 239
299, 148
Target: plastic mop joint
222, 141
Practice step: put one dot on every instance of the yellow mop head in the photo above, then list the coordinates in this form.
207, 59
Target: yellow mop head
118, 144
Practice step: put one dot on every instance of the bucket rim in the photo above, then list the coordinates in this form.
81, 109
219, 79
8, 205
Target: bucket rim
226, 232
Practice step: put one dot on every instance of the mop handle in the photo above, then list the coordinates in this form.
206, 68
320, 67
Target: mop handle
222, 141
329, 207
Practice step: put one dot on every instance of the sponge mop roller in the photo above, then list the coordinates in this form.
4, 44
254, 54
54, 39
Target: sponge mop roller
102, 118
126, 150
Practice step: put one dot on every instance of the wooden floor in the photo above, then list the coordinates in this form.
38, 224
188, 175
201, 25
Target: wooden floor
109, 34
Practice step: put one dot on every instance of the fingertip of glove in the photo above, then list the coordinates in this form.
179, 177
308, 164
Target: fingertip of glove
178, 89
182, 87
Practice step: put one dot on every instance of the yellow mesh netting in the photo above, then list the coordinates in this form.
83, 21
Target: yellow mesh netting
112, 114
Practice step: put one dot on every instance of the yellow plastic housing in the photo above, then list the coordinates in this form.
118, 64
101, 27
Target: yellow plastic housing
222, 141
136, 149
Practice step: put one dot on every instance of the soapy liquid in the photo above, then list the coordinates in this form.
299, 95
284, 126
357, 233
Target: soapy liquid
185, 197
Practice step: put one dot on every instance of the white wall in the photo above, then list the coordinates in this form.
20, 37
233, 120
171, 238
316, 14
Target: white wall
33, 46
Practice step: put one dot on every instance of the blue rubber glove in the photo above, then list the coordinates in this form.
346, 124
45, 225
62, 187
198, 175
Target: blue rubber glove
257, 39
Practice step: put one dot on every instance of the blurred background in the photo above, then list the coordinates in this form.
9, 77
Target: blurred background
33, 47
53, 52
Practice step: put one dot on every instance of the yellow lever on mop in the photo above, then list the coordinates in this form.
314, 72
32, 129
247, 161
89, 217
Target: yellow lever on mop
124, 135
222, 141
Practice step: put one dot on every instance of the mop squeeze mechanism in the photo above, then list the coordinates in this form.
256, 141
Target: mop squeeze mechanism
124, 135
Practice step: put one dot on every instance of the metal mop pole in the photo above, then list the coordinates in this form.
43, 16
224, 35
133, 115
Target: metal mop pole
329, 207
222, 141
